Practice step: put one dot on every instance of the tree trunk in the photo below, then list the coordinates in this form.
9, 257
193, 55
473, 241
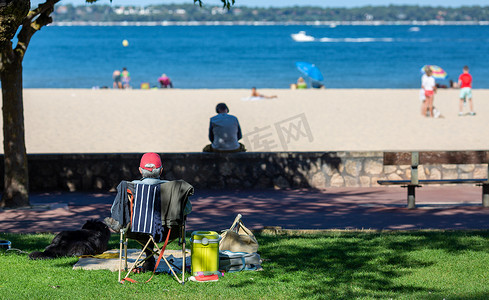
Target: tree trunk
16, 180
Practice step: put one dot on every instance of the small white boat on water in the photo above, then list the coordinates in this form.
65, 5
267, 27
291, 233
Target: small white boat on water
414, 29
302, 37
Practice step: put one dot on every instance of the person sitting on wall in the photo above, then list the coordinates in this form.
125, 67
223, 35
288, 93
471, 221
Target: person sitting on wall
224, 132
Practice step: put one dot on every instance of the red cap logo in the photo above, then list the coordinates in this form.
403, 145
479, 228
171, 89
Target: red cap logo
150, 161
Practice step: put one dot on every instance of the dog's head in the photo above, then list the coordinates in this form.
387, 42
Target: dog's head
95, 225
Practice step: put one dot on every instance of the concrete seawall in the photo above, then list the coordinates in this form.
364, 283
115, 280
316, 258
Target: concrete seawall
251, 170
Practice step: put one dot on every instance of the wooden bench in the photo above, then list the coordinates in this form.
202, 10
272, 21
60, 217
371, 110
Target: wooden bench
430, 157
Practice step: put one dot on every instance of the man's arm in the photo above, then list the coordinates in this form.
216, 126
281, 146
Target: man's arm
211, 133
239, 132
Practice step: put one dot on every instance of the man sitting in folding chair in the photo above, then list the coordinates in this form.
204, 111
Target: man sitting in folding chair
151, 210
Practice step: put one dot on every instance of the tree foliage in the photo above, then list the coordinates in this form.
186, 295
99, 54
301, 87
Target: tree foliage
225, 3
15, 17
392, 13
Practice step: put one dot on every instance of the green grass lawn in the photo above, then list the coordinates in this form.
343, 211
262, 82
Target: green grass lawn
329, 265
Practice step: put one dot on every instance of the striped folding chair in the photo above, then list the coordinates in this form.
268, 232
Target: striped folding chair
154, 213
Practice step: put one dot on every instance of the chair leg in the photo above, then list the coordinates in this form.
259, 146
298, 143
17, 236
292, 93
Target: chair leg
125, 253
184, 263
137, 259
161, 254
160, 250
171, 269
168, 264
121, 241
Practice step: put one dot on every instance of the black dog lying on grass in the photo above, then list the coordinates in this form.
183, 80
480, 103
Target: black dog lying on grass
92, 239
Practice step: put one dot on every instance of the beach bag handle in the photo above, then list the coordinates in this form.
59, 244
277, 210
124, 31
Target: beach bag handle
238, 226
238, 233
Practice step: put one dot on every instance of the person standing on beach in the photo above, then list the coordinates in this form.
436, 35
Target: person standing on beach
116, 76
126, 78
224, 132
465, 84
429, 86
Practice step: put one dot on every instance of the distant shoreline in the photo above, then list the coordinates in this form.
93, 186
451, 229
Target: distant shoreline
264, 23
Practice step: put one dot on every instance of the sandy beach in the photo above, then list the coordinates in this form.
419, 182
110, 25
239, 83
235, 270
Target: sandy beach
112, 121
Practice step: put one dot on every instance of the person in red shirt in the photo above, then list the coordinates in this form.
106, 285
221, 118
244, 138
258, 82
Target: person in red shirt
465, 84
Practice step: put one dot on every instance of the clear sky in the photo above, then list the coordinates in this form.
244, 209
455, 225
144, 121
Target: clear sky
281, 3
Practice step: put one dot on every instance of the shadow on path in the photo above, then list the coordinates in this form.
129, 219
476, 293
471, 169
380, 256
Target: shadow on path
449, 207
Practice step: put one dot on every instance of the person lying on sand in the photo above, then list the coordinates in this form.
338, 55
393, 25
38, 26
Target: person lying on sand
254, 93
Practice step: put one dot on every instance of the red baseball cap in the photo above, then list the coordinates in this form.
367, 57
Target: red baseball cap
150, 161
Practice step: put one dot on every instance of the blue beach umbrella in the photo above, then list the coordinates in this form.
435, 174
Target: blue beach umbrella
309, 70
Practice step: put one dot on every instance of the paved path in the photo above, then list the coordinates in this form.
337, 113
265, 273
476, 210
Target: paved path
446, 207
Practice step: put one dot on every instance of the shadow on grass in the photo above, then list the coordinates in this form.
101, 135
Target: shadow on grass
38, 242
28, 242
350, 265
338, 264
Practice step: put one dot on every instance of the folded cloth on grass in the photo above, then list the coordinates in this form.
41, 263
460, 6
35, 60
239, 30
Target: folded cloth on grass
239, 261
112, 264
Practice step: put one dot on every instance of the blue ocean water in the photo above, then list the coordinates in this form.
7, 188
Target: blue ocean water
387, 56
